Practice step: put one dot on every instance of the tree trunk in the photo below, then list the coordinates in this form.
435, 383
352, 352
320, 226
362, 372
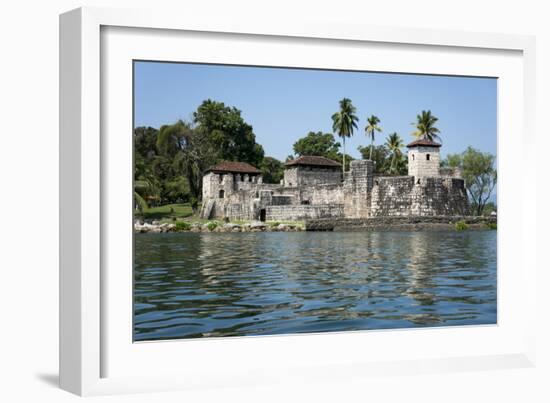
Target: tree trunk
344, 159
371, 145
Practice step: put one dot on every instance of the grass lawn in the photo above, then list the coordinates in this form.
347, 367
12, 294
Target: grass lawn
168, 211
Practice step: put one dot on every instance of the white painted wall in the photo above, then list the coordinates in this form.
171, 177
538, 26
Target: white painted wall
29, 177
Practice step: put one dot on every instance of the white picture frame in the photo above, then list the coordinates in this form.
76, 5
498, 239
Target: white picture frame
94, 343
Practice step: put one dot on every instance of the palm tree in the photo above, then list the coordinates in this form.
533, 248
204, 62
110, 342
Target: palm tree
425, 126
370, 129
394, 144
343, 123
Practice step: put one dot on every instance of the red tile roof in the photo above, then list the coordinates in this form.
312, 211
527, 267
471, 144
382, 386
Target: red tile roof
423, 143
234, 167
313, 160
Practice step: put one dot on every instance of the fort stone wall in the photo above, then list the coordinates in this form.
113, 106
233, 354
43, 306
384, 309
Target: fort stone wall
357, 188
439, 196
409, 196
320, 193
300, 212
311, 175
392, 196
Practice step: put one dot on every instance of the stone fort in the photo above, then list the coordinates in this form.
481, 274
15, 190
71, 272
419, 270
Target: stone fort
315, 187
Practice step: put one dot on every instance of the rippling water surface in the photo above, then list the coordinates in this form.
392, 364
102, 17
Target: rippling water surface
235, 284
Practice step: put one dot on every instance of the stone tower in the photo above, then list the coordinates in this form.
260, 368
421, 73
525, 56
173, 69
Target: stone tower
424, 158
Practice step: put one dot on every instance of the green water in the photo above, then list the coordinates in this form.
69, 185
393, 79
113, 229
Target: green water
233, 284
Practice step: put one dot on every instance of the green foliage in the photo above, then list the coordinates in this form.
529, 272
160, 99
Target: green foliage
480, 176
272, 170
178, 154
274, 224
452, 161
183, 226
388, 158
212, 225
231, 137
183, 151
177, 189
319, 143
194, 203
492, 225
168, 211
489, 208
425, 126
140, 202
380, 155
461, 226
398, 162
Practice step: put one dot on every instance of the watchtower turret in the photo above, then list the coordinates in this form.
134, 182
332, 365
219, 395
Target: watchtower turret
424, 158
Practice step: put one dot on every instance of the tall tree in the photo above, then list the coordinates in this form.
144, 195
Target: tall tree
321, 144
343, 123
231, 137
425, 126
147, 186
394, 144
272, 170
480, 176
371, 128
184, 151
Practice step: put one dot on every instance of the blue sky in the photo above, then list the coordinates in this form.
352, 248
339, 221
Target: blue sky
283, 105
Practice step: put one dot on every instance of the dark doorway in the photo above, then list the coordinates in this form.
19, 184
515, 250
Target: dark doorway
262, 215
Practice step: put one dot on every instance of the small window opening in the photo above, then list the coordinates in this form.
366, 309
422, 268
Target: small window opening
413, 157
427, 157
222, 194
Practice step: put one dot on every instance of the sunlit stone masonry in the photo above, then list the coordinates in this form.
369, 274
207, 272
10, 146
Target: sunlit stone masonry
314, 187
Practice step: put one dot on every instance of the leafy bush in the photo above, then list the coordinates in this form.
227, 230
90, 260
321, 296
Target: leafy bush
461, 226
182, 226
211, 226
492, 225
274, 224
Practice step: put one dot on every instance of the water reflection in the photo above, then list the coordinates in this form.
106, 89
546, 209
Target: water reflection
197, 285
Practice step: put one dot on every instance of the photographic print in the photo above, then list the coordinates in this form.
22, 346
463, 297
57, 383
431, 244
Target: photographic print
273, 200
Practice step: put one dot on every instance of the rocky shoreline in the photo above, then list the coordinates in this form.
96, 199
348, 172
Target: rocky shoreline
157, 227
407, 223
